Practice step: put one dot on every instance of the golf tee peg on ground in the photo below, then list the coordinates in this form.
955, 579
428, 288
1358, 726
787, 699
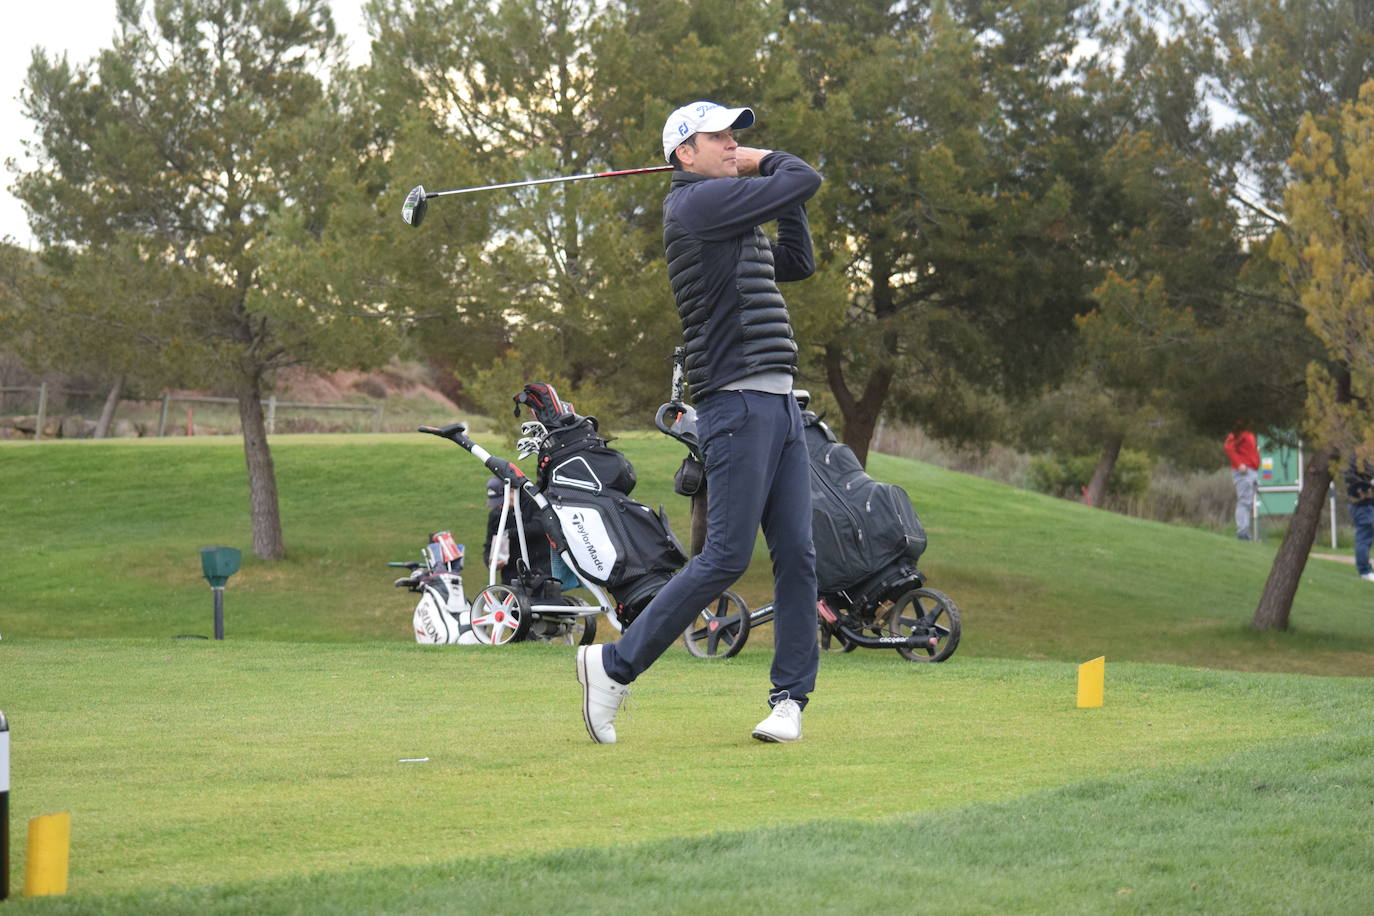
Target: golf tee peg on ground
1091, 678
50, 838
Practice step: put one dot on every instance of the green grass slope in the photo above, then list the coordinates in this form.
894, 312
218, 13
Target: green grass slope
101, 539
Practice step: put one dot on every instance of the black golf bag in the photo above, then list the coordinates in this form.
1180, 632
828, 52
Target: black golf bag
864, 531
614, 540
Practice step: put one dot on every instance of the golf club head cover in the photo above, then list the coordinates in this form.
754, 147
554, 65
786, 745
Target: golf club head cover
446, 554
544, 403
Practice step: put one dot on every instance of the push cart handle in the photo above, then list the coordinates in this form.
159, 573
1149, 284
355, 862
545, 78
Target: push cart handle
457, 434
454, 431
678, 421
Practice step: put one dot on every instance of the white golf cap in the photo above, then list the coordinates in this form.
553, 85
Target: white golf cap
698, 117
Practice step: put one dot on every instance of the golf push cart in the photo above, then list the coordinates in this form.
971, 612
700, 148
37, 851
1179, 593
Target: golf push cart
619, 550
867, 539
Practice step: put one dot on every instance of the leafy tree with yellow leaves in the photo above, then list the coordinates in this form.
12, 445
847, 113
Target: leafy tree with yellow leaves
1329, 258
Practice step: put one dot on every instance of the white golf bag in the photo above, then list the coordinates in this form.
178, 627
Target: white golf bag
442, 615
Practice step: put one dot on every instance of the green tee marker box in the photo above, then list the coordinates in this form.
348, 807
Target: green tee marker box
218, 564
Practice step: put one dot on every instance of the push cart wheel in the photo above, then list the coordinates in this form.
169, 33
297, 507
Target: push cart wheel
721, 628
832, 640
500, 615
929, 613
582, 630
588, 635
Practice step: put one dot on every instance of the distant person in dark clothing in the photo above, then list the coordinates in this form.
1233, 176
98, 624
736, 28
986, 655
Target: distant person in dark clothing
1359, 486
1245, 459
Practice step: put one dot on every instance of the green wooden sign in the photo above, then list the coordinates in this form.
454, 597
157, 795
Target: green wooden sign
1280, 471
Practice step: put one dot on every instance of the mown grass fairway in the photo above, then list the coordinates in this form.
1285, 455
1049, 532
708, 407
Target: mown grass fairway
265, 773
194, 764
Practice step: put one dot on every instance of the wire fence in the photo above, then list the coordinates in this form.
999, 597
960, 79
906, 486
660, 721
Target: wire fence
45, 395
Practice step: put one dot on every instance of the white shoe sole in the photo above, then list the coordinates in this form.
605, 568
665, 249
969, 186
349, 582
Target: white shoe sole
773, 739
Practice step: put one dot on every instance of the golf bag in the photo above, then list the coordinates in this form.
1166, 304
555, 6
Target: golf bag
442, 615
614, 540
861, 527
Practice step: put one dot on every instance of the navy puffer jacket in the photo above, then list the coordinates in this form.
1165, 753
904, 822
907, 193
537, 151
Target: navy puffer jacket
724, 271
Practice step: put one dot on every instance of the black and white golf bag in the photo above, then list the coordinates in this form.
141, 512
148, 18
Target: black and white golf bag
614, 541
442, 615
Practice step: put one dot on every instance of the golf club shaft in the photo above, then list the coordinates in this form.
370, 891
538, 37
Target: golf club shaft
535, 181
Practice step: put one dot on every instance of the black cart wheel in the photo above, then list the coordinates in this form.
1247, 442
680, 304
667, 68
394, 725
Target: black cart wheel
832, 640
928, 613
500, 615
582, 632
721, 628
564, 628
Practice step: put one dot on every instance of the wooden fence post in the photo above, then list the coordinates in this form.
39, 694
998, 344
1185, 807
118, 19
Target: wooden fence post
42, 409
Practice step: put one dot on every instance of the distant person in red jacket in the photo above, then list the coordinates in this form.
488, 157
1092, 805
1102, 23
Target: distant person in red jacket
1245, 459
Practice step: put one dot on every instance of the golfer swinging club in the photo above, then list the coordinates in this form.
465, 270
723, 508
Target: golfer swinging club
740, 360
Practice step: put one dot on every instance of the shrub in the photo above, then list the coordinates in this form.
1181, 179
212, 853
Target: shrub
370, 387
1067, 475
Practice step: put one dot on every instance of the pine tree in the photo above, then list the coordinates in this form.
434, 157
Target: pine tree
187, 164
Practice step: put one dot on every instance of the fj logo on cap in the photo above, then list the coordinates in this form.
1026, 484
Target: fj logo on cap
683, 130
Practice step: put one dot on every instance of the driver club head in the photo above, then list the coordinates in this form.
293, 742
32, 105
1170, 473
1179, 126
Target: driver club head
413, 210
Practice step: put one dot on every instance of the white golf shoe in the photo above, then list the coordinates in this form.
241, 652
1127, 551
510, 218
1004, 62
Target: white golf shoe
782, 724
601, 694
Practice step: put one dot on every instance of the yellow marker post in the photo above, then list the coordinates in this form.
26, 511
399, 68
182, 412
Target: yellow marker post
1091, 676
50, 839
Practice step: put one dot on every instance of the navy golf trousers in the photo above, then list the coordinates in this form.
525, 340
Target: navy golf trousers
757, 472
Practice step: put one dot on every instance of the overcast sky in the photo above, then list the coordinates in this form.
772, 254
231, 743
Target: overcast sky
81, 28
